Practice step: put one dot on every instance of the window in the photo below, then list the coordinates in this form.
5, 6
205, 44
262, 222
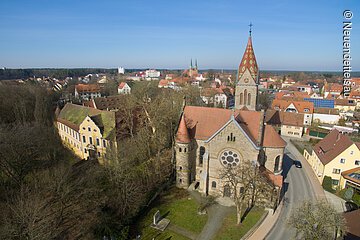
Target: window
242, 189
85, 151
306, 110
104, 143
84, 139
213, 184
245, 94
231, 138
83, 128
180, 150
230, 158
352, 152
89, 129
342, 160
241, 98
99, 154
357, 162
180, 168
277, 164
335, 182
201, 155
249, 98
97, 142
90, 140
180, 180
184, 149
336, 170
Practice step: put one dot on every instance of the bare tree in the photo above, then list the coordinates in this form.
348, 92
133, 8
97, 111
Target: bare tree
317, 220
248, 186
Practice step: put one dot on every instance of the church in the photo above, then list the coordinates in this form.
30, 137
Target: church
209, 139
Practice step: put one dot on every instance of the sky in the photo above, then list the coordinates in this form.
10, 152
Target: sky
287, 34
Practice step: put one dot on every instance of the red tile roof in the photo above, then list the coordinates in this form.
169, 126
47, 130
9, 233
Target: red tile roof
353, 224
182, 135
204, 122
331, 146
122, 85
299, 105
87, 88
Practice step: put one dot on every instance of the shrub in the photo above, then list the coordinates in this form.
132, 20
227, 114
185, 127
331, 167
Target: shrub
327, 184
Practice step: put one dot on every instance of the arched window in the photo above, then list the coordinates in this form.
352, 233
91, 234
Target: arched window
184, 149
249, 98
180, 180
277, 164
201, 155
241, 98
213, 184
245, 94
180, 150
180, 168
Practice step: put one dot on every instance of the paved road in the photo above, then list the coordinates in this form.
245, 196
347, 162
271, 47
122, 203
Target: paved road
298, 188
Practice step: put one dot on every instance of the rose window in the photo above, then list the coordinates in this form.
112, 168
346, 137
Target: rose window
230, 158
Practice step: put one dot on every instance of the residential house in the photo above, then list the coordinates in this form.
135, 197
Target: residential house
326, 115
302, 107
351, 178
124, 88
334, 154
332, 90
89, 132
345, 105
87, 91
288, 123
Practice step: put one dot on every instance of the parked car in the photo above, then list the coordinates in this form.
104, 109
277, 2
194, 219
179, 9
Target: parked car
297, 164
351, 206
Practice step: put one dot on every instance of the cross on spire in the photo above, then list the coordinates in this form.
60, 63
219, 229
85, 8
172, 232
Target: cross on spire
250, 25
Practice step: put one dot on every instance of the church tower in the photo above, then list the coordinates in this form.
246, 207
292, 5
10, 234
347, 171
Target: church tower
247, 80
184, 167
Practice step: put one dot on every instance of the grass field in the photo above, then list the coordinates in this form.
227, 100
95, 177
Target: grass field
230, 230
177, 206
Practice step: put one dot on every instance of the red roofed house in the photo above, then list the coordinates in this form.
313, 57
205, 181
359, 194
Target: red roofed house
333, 155
124, 88
87, 91
209, 139
301, 107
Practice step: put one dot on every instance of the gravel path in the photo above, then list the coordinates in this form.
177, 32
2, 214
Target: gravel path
216, 215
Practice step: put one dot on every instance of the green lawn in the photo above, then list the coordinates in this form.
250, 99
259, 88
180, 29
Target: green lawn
230, 230
180, 209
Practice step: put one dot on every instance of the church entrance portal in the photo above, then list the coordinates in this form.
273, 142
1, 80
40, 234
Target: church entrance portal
227, 191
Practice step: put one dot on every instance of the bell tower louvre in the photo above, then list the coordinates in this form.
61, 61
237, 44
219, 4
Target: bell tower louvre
247, 79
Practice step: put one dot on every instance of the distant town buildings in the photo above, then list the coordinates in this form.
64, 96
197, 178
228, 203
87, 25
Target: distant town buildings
87, 91
121, 70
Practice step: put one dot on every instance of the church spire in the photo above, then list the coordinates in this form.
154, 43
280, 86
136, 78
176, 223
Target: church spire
182, 135
196, 64
191, 64
249, 60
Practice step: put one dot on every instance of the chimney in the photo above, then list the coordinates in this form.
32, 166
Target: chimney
261, 128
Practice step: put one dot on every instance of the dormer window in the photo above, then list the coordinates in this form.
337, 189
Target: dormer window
306, 110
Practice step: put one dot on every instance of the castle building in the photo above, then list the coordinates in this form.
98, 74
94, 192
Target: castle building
246, 91
210, 139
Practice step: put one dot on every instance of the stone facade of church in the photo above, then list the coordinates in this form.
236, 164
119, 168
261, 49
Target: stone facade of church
208, 139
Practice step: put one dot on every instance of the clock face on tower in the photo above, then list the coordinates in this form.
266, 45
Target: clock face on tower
246, 80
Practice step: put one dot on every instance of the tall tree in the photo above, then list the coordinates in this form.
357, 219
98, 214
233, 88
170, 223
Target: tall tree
317, 220
248, 186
